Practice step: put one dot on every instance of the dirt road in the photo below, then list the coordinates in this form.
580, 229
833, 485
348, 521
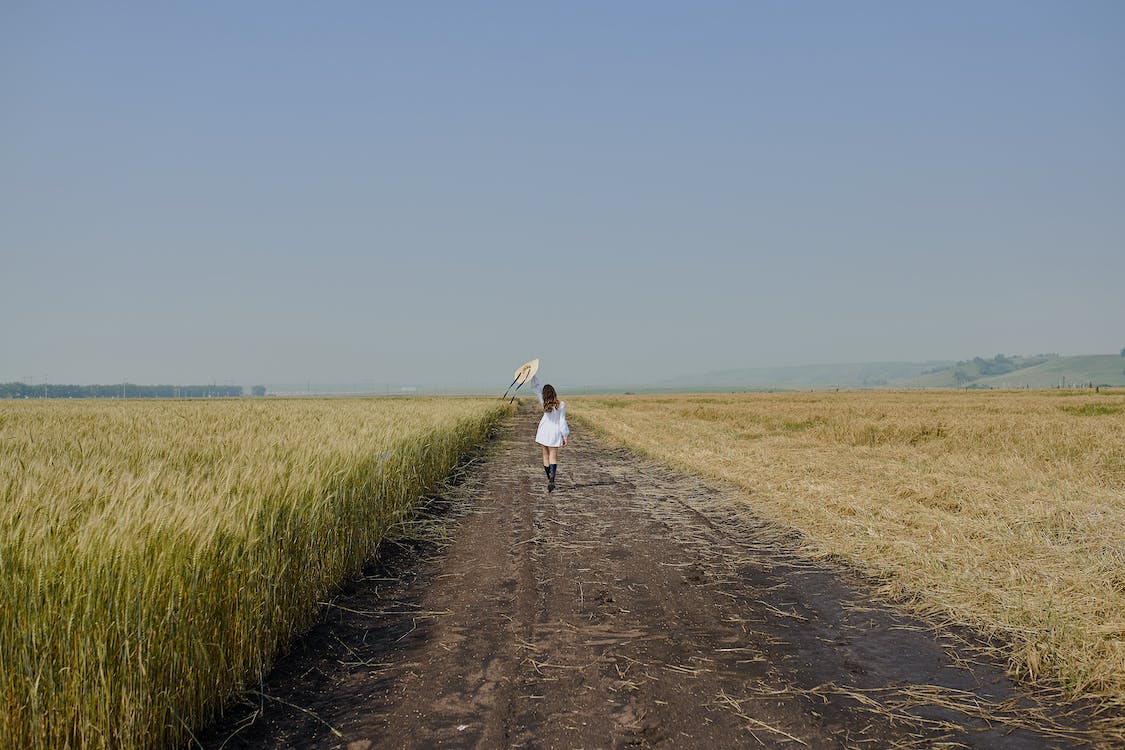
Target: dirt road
632, 607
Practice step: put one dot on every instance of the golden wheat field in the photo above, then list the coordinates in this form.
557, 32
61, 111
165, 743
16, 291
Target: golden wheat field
1001, 510
155, 555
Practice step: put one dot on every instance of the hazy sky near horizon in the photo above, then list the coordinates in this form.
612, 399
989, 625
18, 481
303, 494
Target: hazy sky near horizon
436, 192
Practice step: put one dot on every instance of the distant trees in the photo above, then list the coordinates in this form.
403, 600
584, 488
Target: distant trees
120, 390
976, 368
258, 390
979, 367
998, 365
1123, 352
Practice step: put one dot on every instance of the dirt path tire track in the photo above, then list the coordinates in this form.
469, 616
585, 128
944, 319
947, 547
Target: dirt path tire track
633, 607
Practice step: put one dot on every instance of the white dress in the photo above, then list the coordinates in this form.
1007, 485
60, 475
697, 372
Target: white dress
552, 426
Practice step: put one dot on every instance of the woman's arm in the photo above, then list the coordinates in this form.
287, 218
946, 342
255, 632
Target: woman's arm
562, 422
538, 388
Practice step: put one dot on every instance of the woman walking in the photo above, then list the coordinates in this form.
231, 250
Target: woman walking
553, 430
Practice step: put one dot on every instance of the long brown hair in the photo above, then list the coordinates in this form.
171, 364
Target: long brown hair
550, 398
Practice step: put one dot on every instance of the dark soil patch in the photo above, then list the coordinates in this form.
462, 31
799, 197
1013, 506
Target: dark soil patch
631, 607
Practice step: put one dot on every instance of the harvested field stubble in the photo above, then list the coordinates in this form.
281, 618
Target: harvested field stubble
1003, 510
155, 555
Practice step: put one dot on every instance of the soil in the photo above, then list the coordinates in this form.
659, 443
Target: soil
632, 607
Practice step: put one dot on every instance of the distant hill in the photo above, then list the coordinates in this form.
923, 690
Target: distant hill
1099, 369
970, 371
1035, 371
1039, 371
871, 374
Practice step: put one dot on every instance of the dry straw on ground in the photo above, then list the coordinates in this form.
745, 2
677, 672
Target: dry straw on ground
155, 555
1001, 510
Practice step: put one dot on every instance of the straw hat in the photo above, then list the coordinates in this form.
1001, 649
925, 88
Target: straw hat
525, 373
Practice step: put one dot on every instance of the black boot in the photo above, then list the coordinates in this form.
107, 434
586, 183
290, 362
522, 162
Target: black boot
551, 470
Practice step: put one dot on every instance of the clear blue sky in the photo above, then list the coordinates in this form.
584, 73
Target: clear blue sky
436, 192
